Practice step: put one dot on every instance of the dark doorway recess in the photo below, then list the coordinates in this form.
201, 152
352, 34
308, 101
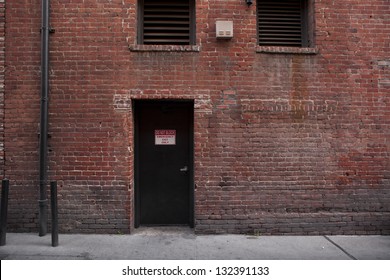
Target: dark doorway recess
164, 192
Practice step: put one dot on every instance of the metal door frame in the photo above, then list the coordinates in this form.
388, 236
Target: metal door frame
136, 103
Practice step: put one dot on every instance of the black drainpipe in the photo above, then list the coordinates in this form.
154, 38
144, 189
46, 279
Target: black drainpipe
44, 119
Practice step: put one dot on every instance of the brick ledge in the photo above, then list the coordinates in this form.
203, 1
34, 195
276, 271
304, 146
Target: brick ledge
164, 48
286, 50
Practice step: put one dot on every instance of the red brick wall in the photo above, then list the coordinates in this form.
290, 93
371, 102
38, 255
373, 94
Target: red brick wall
285, 143
2, 71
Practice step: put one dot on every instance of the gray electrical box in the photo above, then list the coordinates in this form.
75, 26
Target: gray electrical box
224, 29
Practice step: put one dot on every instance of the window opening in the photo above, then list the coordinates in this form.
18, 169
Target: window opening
282, 23
167, 22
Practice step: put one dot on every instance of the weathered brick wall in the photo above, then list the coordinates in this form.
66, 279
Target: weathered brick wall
285, 143
2, 71
21, 116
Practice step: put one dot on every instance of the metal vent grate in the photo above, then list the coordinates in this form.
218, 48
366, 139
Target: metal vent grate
167, 22
280, 23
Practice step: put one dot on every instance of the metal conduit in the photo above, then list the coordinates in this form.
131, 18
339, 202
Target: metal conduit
44, 118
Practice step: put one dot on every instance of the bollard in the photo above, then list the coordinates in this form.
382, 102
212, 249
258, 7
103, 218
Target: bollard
54, 214
4, 210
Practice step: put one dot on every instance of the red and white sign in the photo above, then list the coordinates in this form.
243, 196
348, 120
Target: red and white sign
165, 137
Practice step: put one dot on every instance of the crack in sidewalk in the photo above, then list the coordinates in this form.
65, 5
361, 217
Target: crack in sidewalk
341, 248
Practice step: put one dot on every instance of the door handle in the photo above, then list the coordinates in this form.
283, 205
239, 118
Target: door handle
184, 169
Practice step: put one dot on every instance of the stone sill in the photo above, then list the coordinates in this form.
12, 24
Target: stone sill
286, 50
164, 48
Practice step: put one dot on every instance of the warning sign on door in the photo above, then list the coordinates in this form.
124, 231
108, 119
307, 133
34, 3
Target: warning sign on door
165, 137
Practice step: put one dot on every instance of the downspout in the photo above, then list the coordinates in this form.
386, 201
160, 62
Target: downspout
44, 118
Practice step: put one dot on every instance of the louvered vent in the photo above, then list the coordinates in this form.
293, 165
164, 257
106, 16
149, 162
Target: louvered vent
167, 22
280, 23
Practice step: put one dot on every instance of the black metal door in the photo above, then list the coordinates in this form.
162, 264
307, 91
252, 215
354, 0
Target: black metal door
164, 133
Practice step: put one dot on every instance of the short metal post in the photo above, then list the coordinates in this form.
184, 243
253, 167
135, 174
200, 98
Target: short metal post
4, 210
54, 214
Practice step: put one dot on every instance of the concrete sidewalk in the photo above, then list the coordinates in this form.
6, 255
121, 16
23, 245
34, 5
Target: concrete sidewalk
182, 243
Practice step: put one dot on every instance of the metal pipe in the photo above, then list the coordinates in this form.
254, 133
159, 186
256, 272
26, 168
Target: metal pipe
44, 118
4, 210
54, 214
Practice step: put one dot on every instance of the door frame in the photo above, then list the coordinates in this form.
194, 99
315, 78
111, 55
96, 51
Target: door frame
136, 104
